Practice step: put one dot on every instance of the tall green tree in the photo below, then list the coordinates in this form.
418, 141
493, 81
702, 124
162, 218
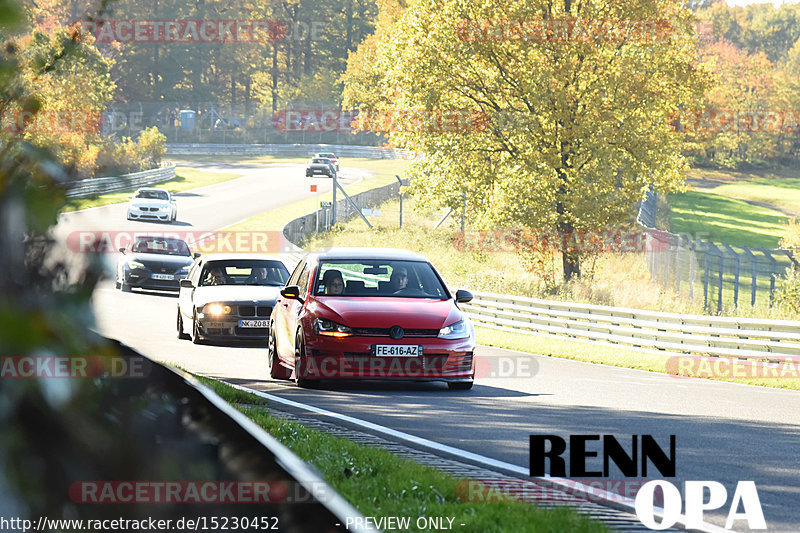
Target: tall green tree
557, 132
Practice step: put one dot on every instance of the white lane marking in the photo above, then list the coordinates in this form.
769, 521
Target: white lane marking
482, 459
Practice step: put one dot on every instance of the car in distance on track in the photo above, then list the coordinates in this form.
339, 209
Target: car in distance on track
370, 313
229, 297
150, 203
319, 166
153, 262
329, 155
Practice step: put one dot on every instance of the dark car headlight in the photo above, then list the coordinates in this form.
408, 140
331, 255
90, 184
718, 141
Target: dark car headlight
133, 264
329, 328
457, 330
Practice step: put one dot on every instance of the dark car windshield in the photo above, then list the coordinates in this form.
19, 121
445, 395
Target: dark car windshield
160, 245
319, 161
405, 279
152, 195
245, 272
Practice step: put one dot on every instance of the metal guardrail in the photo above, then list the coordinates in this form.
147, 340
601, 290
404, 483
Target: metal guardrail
305, 150
97, 186
652, 331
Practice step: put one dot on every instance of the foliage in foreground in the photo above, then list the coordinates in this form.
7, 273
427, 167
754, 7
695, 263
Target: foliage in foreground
531, 133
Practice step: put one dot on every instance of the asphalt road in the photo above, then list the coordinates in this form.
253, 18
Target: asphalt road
724, 432
203, 210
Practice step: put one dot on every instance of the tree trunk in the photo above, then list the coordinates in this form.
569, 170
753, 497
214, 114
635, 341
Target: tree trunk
570, 260
247, 89
274, 77
571, 263
349, 27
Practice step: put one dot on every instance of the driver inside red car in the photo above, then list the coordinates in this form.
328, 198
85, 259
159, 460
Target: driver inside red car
333, 282
399, 279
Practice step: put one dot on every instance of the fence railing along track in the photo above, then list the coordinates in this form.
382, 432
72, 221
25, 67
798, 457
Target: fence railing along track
739, 338
719, 273
304, 150
96, 186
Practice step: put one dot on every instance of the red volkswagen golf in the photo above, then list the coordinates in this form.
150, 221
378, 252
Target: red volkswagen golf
370, 313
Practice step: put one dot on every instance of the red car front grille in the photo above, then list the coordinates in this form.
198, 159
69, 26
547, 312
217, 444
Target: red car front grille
384, 332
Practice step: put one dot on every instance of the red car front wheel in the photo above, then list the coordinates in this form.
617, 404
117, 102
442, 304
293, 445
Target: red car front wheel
301, 363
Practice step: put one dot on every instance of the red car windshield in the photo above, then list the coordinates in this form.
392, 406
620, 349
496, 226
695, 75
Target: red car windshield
358, 278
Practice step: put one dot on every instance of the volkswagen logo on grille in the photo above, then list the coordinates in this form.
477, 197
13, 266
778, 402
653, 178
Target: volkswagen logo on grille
396, 332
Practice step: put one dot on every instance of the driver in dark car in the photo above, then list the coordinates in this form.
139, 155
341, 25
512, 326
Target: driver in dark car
258, 276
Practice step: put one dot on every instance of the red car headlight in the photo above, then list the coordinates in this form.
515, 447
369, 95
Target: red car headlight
457, 330
329, 328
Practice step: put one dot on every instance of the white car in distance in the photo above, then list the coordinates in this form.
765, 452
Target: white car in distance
149, 203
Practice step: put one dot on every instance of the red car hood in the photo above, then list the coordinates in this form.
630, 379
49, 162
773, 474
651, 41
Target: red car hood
385, 312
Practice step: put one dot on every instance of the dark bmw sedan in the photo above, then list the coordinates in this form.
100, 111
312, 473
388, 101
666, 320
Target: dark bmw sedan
229, 297
153, 262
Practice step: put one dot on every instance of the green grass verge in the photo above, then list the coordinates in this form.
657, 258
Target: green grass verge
185, 178
780, 187
604, 354
710, 216
378, 483
783, 193
385, 171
